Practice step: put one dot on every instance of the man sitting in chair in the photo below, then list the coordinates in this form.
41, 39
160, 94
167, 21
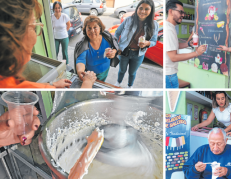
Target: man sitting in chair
218, 151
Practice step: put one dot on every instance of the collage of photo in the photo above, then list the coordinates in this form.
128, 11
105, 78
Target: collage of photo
87, 89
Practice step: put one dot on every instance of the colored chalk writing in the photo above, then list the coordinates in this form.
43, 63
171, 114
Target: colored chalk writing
212, 26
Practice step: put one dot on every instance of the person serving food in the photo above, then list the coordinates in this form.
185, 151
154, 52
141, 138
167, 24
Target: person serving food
221, 110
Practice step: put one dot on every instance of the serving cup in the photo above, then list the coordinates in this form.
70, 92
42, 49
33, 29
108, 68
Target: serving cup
20, 106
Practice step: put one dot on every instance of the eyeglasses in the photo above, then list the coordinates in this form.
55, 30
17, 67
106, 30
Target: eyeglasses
180, 11
38, 28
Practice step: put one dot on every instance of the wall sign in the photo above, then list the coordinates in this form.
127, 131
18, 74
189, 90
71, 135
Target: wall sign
213, 28
177, 142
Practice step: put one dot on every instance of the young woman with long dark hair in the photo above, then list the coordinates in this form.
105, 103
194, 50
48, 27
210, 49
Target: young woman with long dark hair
132, 51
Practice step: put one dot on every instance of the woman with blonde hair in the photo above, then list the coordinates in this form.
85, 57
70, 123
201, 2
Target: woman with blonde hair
221, 110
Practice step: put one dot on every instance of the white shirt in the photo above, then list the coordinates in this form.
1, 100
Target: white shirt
60, 26
223, 116
171, 44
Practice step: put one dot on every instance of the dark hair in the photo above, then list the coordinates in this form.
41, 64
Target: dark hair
149, 20
214, 103
57, 2
15, 16
171, 4
93, 18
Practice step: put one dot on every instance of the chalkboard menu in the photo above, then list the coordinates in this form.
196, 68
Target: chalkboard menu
213, 28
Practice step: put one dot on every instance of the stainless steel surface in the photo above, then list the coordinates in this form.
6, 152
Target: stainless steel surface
34, 168
90, 109
2, 155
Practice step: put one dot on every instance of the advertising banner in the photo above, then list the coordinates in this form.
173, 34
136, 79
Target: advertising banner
177, 143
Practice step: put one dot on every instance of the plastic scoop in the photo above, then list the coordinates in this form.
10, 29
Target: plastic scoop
94, 142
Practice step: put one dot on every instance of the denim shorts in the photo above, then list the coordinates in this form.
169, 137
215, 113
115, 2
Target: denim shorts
172, 81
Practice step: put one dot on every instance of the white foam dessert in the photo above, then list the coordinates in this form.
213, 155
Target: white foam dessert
67, 143
94, 142
214, 166
141, 39
107, 50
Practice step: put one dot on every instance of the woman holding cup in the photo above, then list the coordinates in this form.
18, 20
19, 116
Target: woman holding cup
138, 33
20, 122
8, 127
94, 51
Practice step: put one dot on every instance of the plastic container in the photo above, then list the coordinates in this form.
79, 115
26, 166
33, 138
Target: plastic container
20, 106
214, 166
195, 40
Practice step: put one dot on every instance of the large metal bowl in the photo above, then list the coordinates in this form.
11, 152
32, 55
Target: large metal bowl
90, 109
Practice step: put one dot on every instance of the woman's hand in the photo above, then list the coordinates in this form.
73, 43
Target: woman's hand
145, 44
68, 25
111, 54
8, 134
81, 74
62, 83
224, 48
195, 128
89, 78
119, 52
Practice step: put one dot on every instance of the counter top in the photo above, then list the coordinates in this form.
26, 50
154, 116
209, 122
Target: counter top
203, 133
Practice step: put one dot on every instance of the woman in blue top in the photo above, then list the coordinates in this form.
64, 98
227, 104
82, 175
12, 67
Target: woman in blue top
90, 51
141, 23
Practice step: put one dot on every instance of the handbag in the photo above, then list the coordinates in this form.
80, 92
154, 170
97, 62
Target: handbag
114, 61
125, 52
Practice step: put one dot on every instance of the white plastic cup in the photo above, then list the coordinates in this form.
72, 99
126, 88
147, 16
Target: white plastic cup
195, 40
20, 106
214, 166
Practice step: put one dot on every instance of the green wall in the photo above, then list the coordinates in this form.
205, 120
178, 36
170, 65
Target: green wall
199, 78
47, 101
190, 11
200, 106
42, 46
181, 105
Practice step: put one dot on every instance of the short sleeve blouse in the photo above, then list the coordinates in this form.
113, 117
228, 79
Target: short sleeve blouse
223, 116
60, 26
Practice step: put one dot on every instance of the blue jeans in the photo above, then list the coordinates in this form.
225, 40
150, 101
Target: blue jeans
134, 61
172, 81
64, 44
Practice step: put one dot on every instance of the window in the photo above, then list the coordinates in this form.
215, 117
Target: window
72, 12
97, 1
135, 4
87, 1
